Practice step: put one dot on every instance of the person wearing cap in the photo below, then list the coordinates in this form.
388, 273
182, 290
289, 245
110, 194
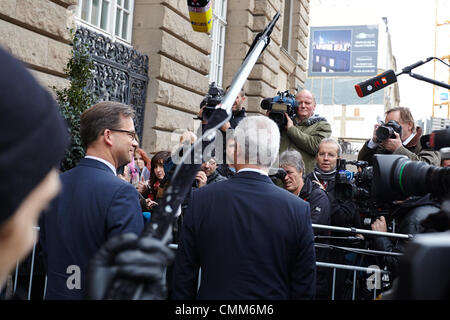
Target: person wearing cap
30, 123
95, 204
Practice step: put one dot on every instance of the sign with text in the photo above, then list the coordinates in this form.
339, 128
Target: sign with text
343, 51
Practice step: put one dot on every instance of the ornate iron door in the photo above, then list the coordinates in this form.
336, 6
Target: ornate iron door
120, 72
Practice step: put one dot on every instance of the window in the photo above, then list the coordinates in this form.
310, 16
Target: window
287, 25
111, 17
218, 41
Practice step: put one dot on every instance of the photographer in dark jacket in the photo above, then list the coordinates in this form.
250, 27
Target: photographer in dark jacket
291, 161
410, 214
344, 213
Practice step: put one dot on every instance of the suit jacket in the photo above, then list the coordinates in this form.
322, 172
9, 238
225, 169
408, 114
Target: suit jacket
93, 206
252, 240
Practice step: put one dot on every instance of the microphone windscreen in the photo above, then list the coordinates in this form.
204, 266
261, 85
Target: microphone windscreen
376, 83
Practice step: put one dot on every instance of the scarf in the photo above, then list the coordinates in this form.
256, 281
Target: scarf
323, 177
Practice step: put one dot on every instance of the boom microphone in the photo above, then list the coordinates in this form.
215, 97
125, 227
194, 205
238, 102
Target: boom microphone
376, 83
415, 65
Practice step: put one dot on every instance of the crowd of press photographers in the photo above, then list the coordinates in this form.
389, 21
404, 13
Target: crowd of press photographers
309, 162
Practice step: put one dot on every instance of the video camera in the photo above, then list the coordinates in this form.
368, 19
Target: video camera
386, 130
283, 103
211, 100
350, 185
358, 188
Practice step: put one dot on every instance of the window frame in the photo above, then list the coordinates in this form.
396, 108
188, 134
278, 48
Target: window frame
288, 34
111, 19
218, 37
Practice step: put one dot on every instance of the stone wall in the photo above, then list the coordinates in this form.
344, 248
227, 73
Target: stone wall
178, 69
179, 62
276, 69
37, 32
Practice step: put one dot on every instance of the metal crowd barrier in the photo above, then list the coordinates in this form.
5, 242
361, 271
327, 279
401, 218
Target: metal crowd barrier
333, 266
357, 250
10, 287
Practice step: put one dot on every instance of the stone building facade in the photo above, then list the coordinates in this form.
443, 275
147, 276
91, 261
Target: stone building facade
36, 31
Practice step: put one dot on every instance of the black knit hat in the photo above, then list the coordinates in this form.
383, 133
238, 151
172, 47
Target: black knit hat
33, 134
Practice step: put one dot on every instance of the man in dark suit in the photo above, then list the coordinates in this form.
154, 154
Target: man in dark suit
251, 239
94, 204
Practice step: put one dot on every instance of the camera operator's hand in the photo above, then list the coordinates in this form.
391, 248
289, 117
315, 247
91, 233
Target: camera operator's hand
379, 225
374, 136
289, 122
392, 144
127, 256
225, 127
201, 178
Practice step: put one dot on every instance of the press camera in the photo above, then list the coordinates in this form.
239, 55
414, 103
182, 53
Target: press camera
211, 100
283, 103
386, 130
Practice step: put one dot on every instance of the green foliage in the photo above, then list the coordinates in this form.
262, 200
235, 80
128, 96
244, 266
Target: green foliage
74, 99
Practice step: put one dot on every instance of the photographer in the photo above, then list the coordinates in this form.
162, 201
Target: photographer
291, 161
215, 95
305, 132
409, 216
404, 139
344, 213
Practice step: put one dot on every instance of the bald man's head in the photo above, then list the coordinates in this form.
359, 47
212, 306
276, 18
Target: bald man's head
306, 104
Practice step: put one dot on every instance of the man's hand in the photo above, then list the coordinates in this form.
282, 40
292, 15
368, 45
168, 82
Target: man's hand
374, 137
126, 256
225, 127
379, 225
201, 179
289, 122
392, 144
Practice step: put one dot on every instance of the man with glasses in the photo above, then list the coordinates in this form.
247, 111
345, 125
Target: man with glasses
94, 204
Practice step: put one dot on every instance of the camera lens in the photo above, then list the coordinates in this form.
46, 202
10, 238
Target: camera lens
384, 132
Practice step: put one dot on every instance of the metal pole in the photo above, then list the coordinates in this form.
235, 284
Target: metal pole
362, 231
15, 277
357, 250
31, 272
354, 285
434, 62
347, 267
334, 281
45, 288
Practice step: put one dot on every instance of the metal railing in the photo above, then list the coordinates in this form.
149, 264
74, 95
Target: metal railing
333, 266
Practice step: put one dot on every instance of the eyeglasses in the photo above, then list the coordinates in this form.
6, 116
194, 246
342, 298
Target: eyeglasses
132, 134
